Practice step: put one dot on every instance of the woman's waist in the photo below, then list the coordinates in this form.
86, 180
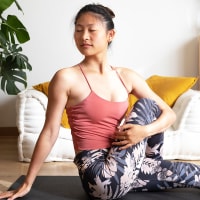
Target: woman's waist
91, 145
89, 153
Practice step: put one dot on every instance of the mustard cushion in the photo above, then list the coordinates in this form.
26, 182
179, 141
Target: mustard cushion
168, 88
43, 87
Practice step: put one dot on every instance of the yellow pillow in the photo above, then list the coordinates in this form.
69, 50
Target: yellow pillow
132, 99
43, 87
169, 88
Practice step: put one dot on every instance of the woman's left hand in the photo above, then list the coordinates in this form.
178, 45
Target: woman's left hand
128, 135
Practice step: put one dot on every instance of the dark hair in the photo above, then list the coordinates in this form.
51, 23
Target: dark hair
106, 14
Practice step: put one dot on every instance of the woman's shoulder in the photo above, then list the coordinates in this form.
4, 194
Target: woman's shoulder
66, 75
67, 72
69, 69
129, 75
126, 71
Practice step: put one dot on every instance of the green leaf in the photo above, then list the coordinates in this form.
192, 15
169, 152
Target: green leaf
4, 4
13, 27
3, 40
10, 79
13, 65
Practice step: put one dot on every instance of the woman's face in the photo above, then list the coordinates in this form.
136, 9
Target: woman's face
91, 36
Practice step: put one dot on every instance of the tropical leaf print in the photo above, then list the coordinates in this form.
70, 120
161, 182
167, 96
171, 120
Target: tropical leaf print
150, 151
150, 166
101, 189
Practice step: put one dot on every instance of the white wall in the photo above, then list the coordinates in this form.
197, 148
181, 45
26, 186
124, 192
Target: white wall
153, 37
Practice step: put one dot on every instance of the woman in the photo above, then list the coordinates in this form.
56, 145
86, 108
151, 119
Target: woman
111, 159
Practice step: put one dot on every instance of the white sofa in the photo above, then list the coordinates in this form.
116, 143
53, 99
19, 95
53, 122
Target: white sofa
182, 140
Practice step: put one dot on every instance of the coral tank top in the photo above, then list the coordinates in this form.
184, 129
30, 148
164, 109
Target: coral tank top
94, 120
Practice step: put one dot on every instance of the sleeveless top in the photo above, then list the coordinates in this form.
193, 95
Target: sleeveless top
94, 120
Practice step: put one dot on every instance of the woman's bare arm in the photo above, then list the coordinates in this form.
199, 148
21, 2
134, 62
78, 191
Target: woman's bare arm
57, 98
136, 133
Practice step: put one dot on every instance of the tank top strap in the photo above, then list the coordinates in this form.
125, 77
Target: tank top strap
85, 77
120, 79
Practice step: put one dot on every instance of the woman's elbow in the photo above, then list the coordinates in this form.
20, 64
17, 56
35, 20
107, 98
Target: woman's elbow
172, 116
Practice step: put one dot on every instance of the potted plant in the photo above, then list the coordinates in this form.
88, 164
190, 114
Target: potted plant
13, 64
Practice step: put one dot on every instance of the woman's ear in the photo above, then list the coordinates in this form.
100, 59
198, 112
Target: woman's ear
111, 35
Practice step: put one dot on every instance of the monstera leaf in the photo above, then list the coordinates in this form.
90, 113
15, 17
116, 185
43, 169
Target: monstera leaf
12, 27
4, 4
13, 63
9, 79
12, 71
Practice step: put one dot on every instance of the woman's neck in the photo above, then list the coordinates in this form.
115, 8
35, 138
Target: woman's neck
96, 65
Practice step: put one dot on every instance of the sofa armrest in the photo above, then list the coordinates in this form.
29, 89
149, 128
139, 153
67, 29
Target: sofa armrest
31, 110
187, 109
181, 140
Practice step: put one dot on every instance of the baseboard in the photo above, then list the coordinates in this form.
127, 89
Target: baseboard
9, 131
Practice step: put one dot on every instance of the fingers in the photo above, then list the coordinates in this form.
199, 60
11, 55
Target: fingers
120, 142
125, 127
7, 194
11, 195
122, 135
125, 146
120, 139
124, 139
22, 191
15, 195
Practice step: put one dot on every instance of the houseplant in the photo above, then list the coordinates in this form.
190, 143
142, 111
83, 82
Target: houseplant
13, 64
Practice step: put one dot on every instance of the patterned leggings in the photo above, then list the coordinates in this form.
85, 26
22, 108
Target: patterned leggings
111, 173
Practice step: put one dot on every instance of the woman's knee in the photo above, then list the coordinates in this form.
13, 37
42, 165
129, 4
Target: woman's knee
144, 112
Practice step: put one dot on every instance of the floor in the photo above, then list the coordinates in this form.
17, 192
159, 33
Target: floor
11, 168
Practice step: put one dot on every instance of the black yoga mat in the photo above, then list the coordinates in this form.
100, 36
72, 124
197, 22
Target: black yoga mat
69, 188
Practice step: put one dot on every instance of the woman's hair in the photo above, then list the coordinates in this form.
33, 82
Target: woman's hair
105, 13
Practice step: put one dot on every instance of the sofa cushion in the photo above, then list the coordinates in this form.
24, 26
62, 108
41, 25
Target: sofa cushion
63, 149
187, 109
181, 144
167, 88
181, 140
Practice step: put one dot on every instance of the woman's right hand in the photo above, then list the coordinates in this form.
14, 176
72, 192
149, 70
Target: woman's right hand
13, 194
